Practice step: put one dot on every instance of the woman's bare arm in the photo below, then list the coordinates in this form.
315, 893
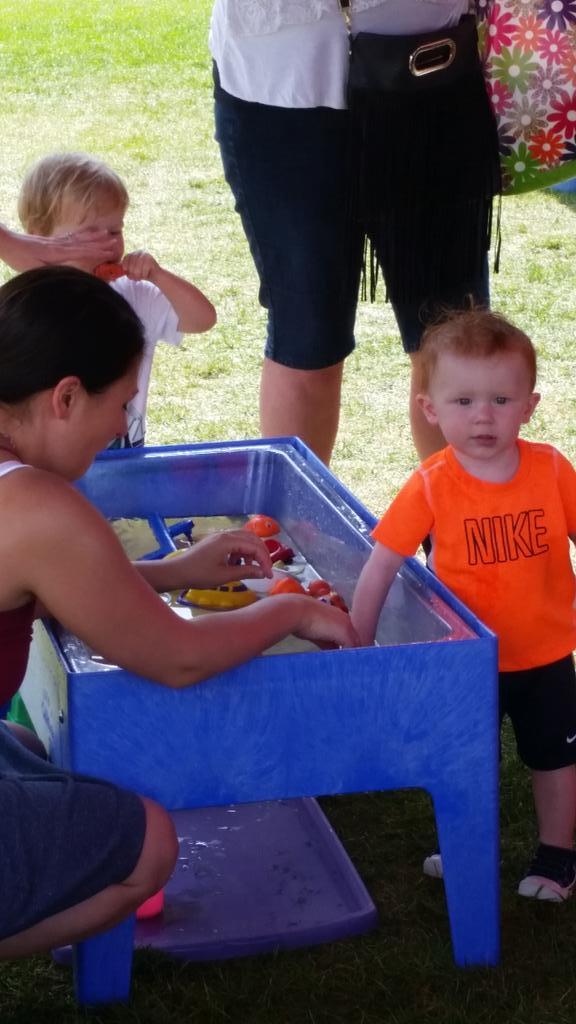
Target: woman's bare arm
64, 553
24, 252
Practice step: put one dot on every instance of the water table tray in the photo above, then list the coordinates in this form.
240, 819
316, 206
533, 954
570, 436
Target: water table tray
254, 878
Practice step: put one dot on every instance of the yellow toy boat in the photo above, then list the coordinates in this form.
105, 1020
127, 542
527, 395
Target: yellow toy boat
226, 596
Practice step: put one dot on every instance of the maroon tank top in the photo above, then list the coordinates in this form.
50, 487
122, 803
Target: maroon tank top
15, 638
15, 630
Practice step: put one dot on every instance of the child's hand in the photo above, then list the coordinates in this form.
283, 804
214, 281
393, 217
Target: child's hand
325, 625
220, 558
140, 266
194, 311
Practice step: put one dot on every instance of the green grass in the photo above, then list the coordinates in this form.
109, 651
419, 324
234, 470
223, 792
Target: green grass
130, 82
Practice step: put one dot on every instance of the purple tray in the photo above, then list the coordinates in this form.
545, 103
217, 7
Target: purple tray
252, 878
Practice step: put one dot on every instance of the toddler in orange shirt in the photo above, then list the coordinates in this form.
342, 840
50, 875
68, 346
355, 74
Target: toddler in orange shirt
500, 512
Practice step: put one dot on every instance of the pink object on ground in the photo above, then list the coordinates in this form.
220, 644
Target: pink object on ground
151, 907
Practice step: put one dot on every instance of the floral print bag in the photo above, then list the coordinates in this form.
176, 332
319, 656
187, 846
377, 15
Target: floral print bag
529, 53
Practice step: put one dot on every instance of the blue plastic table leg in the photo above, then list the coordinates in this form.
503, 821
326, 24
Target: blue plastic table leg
103, 965
470, 860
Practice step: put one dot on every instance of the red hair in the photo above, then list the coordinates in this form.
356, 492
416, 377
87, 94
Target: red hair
476, 333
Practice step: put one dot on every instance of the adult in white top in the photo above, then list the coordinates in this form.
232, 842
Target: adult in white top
294, 53
281, 71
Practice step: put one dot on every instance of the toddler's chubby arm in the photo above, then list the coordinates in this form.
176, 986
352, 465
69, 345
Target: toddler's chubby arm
219, 558
195, 312
24, 252
372, 589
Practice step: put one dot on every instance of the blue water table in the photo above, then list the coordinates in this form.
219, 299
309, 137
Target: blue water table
417, 710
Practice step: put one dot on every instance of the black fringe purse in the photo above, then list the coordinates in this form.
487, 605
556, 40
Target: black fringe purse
425, 163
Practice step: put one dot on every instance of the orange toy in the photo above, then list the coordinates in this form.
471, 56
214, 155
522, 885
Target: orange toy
263, 526
319, 588
322, 590
286, 586
338, 601
108, 271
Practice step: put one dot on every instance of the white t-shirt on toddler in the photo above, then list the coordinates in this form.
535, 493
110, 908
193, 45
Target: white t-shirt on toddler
160, 322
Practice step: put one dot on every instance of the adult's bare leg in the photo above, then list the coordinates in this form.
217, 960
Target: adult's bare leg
27, 738
112, 905
305, 403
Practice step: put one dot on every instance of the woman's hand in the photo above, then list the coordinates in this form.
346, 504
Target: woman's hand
76, 246
325, 625
218, 558
24, 252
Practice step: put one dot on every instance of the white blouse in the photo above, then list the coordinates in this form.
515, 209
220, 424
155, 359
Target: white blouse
294, 53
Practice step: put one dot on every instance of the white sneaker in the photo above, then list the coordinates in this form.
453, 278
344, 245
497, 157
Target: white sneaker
539, 888
432, 866
551, 875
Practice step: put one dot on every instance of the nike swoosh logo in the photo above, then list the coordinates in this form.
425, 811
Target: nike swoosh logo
570, 739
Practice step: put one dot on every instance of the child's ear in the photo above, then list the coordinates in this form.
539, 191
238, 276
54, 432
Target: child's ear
65, 396
427, 406
530, 406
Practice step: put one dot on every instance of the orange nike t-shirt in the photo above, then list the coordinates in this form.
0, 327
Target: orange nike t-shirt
502, 548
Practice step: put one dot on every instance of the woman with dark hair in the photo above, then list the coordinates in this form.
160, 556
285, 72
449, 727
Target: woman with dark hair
76, 854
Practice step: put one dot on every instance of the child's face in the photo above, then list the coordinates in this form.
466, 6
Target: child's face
108, 219
480, 403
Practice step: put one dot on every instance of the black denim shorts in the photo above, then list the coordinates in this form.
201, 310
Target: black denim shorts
64, 837
541, 704
287, 169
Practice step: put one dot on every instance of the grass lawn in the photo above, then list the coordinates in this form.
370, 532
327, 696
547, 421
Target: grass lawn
131, 82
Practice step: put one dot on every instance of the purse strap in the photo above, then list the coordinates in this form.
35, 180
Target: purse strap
345, 8
346, 11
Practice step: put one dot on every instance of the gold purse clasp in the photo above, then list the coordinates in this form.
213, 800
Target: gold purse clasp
432, 57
